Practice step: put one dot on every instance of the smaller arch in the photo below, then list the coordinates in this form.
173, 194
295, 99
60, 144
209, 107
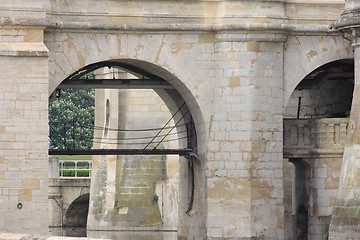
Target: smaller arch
76, 216
325, 92
297, 54
318, 105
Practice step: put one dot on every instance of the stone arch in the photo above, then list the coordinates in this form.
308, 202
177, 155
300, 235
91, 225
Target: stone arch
174, 98
172, 56
160, 53
304, 54
177, 53
76, 216
327, 92
318, 106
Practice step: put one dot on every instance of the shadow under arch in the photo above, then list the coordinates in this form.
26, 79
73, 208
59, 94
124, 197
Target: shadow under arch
192, 193
341, 69
315, 123
301, 198
76, 216
294, 81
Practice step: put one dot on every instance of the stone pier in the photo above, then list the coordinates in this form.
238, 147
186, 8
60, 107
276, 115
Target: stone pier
345, 220
23, 128
132, 192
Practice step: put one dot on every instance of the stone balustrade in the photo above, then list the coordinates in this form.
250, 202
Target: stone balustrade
305, 137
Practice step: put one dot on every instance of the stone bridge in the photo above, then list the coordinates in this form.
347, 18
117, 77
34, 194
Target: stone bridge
230, 73
69, 202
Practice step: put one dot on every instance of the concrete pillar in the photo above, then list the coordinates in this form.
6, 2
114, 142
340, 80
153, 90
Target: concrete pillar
345, 221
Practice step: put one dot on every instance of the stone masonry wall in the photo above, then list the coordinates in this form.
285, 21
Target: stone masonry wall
235, 64
239, 88
332, 99
245, 143
23, 130
131, 192
315, 146
346, 215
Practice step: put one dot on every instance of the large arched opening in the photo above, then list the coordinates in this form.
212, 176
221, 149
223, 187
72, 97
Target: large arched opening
315, 129
147, 173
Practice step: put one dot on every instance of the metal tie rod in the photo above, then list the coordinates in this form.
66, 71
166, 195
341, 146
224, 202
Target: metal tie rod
180, 152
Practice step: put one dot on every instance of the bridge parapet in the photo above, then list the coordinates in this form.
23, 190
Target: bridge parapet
315, 148
69, 168
305, 137
75, 168
65, 191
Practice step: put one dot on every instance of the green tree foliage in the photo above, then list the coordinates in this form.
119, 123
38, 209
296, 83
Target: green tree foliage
71, 119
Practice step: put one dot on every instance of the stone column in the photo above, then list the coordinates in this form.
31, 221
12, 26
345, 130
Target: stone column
55, 201
345, 221
105, 168
24, 73
245, 191
131, 192
23, 130
245, 163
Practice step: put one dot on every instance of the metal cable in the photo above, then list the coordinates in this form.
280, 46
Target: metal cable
172, 128
123, 139
120, 130
138, 143
172, 117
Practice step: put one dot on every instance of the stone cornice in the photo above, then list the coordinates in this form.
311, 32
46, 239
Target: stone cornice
23, 49
280, 16
83, 26
348, 23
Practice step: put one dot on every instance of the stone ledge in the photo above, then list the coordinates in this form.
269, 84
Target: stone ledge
69, 182
183, 27
18, 236
176, 27
24, 50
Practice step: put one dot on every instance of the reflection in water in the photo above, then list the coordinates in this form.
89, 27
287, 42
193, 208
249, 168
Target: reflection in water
74, 231
114, 235
133, 235
69, 231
